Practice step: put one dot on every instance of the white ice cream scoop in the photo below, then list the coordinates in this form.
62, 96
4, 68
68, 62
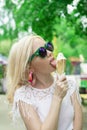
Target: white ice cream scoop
60, 56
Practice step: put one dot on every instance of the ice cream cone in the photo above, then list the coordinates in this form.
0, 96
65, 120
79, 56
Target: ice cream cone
60, 65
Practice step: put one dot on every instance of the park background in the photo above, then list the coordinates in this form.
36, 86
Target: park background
64, 23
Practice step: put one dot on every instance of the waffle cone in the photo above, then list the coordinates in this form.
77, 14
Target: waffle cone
60, 66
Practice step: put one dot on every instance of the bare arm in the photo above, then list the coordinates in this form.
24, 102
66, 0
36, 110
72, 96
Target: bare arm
32, 120
78, 118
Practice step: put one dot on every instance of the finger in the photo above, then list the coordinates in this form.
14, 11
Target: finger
59, 84
64, 86
62, 78
65, 82
57, 77
63, 93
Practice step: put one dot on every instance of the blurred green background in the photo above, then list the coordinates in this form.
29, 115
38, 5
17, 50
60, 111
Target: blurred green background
62, 22
55, 20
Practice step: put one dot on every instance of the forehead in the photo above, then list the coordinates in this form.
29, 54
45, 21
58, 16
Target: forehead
38, 42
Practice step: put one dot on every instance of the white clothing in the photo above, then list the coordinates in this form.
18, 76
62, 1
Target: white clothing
41, 99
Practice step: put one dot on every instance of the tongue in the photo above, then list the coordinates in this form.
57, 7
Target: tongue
53, 63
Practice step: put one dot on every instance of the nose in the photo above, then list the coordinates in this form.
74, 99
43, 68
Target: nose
49, 53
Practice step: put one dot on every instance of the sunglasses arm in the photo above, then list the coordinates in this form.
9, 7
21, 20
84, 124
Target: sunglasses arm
31, 57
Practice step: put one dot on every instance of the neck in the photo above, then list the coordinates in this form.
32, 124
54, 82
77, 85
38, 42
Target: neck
43, 80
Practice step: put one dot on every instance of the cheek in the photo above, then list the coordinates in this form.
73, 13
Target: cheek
41, 65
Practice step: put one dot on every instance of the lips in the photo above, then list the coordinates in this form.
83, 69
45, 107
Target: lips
53, 62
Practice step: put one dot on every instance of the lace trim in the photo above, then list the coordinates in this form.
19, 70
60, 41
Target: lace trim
74, 88
29, 95
42, 94
33, 96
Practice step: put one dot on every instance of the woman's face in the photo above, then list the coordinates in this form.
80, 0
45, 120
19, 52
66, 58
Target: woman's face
42, 65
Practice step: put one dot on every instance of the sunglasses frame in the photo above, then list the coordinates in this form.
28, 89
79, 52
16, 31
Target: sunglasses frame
36, 53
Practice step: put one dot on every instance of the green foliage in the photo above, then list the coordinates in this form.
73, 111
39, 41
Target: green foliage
5, 46
1, 71
68, 42
45, 19
40, 15
83, 11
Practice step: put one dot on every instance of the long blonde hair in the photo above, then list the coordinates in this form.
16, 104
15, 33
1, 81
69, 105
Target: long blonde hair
18, 67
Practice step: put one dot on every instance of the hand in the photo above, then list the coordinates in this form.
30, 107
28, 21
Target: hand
61, 87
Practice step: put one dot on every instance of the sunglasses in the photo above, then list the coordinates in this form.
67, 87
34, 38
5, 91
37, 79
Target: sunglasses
42, 51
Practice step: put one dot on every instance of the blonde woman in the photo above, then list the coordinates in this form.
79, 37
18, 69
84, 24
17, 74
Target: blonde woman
43, 101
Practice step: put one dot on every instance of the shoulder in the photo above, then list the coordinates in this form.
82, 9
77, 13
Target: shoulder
74, 87
24, 93
72, 84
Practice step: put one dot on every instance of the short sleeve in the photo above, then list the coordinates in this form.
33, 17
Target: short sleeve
73, 87
22, 94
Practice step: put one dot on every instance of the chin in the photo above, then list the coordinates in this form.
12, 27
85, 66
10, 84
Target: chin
53, 69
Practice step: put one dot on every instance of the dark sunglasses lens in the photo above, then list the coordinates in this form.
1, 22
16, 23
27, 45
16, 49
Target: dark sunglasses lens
42, 52
50, 46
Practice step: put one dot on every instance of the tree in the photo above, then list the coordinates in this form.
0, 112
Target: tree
42, 15
39, 15
78, 17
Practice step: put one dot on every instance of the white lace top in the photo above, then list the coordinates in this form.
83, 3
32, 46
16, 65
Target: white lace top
41, 99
